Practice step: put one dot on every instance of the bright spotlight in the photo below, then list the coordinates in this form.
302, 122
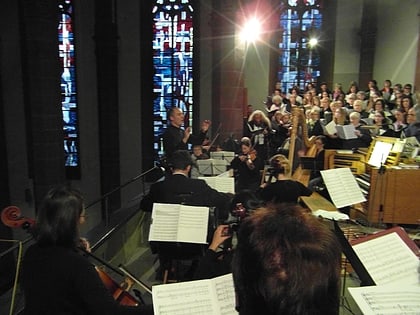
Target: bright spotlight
313, 42
251, 31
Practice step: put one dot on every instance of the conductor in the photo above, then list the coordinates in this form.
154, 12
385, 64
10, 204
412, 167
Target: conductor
176, 138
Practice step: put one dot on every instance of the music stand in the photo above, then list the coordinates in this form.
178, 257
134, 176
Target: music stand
349, 252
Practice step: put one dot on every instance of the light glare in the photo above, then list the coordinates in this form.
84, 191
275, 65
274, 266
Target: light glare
251, 31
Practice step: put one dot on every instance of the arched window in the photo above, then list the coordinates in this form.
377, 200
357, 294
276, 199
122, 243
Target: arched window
66, 50
173, 63
300, 27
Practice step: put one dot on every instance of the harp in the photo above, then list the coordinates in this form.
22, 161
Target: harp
300, 145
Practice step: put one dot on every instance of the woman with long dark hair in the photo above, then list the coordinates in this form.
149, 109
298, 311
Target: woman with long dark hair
56, 278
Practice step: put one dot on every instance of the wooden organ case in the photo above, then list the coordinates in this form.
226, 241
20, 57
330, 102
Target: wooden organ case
392, 193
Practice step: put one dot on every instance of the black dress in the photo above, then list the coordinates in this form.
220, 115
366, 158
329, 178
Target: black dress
58, 280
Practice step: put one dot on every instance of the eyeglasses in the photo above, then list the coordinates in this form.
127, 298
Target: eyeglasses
411, 114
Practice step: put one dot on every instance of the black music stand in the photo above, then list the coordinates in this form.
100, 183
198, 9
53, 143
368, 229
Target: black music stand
349, 252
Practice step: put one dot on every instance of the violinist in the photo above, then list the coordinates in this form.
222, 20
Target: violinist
247, 167
56, 279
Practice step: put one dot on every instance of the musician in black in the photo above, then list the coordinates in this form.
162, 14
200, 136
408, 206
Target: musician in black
247, 167
56, 279
176, 138
259, 130
284, 189
180, 188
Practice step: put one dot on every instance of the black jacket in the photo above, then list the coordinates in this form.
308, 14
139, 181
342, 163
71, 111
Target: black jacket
180, 189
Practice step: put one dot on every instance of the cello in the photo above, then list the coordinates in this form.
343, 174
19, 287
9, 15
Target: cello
12, 217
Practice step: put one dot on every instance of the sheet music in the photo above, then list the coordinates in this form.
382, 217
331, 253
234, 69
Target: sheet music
164, 222
380, 153
202, 297
389, 260
192, 225
179, 223
342, 187
221, 183
346, 131
330, 127
387, 300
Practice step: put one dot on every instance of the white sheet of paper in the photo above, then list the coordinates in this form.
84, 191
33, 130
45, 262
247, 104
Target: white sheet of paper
205, 297
387, 300
342, 187
389, 260
346, 131
221, 183
330, 127
380, 153
193, 224
179, 223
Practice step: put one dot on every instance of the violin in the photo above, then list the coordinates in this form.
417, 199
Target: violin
252, 155
12, 217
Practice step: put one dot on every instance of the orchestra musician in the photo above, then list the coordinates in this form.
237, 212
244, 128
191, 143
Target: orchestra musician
284, 189
247, 167
286, 262
56, 279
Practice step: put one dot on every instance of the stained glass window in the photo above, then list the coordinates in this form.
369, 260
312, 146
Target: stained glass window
173, 63
299, 61
68, 83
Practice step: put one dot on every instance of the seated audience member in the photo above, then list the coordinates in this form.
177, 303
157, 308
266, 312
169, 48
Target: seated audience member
340, 118
413, 121
315, 179
350, 100
286, 262
361, 95
324, 91
387, 91
314, 123
406, 103
247, 167
284, 189
179, 188
197, 155
325, 106
358, 107
381, 123
56, 279
379, 105
363, 139
295, 92
400, 122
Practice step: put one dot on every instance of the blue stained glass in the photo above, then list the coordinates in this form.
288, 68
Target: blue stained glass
173, 63
298, 62
66, 51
